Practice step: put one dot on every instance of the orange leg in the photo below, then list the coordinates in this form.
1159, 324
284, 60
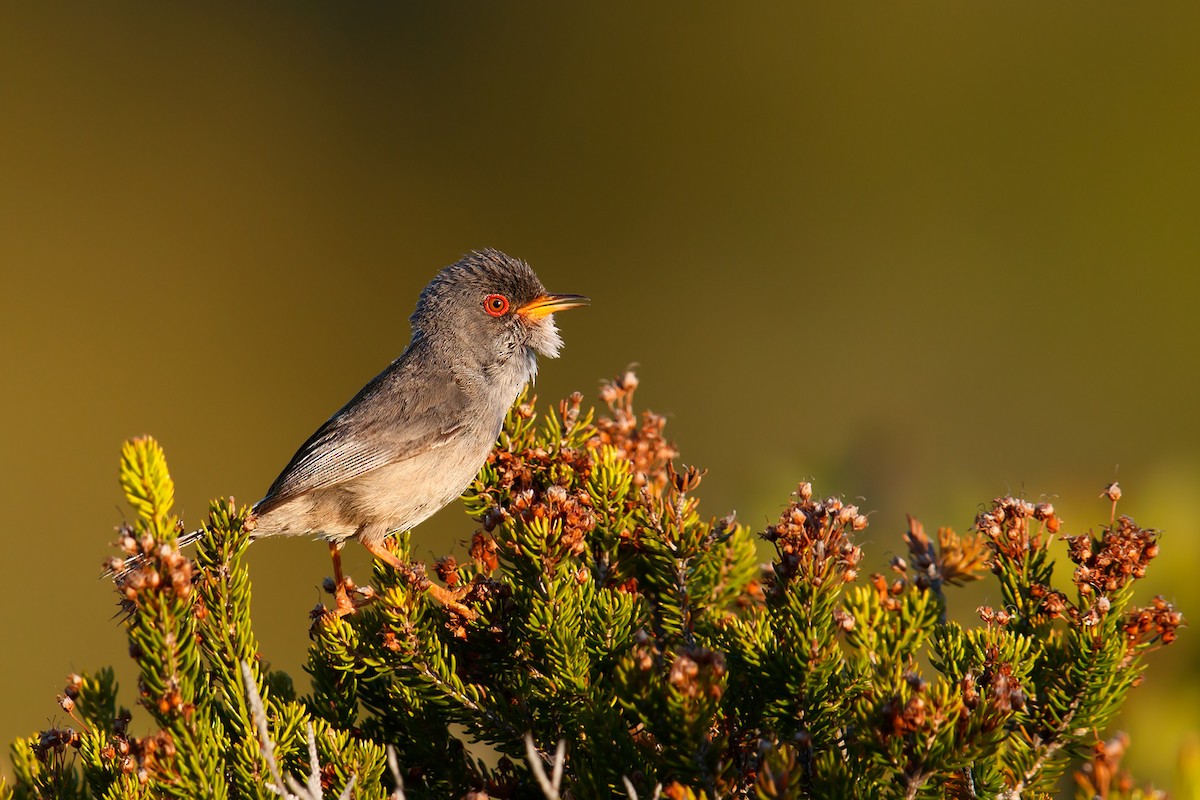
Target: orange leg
439, 593
344, 605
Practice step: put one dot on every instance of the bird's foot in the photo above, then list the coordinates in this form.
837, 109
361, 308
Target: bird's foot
451, 600
415, 576
347, 597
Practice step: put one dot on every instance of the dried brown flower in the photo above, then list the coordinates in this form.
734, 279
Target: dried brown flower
1154, 624
1055, 604
812, 539
484, 552
1102, 776
1117, 557
641, 441
844, 619
533, 494
1007, 527
698, 671
446, 568
155, 567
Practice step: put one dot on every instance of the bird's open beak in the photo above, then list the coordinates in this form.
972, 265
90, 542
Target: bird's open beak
547, 304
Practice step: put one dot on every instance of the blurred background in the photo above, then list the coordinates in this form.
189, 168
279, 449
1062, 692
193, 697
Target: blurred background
921, 254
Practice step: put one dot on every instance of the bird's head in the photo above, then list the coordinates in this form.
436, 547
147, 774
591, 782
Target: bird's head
492, 305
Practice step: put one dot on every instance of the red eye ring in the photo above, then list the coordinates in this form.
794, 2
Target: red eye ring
495, 304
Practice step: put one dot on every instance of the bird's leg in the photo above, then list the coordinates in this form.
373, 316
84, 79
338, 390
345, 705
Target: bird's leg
344, 605
438, 593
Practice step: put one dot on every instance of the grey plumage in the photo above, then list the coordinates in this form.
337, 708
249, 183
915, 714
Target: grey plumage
414, 437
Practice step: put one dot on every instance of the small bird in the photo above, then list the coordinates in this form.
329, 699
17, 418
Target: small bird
415, 436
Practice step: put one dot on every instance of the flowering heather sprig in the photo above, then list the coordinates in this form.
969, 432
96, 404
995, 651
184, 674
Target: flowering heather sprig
813, 540
525, 475
52, 744
1054, 603
148, 565
1154, 624
1117, 557
1010, 529
641, 442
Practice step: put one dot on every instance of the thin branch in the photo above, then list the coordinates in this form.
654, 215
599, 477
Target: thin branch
632, 792
310, 789
394, 768
260, 722
549, 786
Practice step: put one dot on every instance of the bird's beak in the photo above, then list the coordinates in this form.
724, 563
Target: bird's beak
547, 304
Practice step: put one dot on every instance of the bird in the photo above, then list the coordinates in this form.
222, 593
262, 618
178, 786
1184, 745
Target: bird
416, 435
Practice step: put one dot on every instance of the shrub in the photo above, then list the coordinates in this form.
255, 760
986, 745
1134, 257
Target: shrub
614, 618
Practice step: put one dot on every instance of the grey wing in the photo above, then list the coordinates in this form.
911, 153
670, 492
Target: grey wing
382, 425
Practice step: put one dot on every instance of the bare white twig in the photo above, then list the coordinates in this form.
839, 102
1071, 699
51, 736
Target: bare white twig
311, 789
633, 795
549, 786
394, 768
260, 721
560, 761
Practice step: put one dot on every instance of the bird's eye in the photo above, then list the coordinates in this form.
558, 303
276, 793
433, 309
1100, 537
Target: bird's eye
495, 304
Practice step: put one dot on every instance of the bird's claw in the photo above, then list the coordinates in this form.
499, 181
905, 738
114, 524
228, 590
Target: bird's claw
349, 598
344, 604
451, 600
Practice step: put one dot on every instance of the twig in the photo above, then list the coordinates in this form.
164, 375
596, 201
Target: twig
310, 789
633, 795
549, 785
260, 722
394, 768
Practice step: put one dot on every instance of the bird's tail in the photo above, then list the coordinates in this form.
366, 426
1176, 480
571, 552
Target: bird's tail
117, 568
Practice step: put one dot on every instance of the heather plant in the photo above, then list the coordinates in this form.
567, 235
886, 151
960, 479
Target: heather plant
623, 645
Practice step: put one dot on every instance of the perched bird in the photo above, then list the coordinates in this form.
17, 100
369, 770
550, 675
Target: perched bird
416, 435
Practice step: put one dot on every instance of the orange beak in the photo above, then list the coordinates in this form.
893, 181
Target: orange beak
547, 304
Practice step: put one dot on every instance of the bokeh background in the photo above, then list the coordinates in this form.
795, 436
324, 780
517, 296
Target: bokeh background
922, 254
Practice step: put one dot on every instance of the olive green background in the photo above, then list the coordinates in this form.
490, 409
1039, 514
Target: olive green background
920, 253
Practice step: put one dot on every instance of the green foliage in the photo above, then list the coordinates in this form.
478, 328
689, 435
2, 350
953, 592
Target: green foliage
611, 616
